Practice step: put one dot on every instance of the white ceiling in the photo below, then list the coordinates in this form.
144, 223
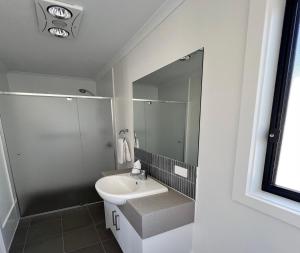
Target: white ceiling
106, 26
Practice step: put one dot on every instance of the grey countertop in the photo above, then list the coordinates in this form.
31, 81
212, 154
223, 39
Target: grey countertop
158, 213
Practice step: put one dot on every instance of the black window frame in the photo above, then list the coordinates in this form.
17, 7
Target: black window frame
280, 101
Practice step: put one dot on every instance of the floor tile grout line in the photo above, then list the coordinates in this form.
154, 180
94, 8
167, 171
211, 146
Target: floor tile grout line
94, 223
90, 245
62, 233
79, 228
95, 227
26, 236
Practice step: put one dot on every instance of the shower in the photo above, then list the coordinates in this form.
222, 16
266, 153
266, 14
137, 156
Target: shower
84, 91
56, 161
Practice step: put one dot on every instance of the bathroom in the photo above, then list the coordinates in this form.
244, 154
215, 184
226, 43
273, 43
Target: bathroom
140, 126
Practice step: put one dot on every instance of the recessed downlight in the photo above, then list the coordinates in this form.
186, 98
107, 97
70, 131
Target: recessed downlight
59, 12
59, 32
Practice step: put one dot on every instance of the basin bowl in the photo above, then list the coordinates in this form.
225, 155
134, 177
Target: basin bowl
117, 189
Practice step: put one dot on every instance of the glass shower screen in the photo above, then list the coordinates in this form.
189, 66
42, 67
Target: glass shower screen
57, 147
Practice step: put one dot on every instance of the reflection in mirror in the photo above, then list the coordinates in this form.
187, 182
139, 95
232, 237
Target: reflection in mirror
167, 109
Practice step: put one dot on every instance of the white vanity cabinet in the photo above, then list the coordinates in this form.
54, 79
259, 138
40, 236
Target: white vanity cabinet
178, 240
124, 233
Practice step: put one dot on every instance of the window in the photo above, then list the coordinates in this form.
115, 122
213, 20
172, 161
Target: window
282, 162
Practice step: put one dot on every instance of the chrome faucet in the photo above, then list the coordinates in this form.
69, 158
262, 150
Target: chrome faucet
142, 175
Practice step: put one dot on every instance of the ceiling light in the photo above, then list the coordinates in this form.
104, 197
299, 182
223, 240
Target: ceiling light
59, 12
55, 14
59, 32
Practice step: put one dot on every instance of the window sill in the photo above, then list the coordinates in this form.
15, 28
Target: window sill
260, 66
272, 205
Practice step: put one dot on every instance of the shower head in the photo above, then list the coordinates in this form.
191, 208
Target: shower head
86, 91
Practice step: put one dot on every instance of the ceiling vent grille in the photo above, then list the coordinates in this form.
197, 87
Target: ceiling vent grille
58, 19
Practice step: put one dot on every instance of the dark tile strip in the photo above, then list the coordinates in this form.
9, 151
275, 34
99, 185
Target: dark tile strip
162, 168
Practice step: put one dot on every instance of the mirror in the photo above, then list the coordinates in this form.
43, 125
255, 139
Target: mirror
166, 106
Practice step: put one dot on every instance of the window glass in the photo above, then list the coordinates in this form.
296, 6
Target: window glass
288, 171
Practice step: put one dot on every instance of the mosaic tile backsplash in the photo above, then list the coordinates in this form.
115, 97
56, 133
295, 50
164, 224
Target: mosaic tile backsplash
162, 168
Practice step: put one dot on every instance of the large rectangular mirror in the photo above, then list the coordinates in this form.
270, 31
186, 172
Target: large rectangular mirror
166, 106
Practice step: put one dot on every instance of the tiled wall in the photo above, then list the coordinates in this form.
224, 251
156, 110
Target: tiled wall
162, 168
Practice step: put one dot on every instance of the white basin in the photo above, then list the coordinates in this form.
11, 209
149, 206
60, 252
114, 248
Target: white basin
117, 189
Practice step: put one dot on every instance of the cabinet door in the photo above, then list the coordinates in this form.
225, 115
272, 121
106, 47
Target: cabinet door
126, 236
109, 215
121, 231
128, 239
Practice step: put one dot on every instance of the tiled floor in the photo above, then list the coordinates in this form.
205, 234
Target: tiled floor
79, 230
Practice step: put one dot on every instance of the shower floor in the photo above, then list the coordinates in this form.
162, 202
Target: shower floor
77, 230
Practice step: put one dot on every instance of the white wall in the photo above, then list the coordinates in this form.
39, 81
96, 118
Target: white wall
52, 84
222, 225
104, 84
3, 78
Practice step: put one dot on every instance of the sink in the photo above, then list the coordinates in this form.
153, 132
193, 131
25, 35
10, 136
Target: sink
117, 189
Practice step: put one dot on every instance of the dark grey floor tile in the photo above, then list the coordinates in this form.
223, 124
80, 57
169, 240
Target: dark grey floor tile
20, 235
43, 230
24, 222
80, 238
112, 246
76, 218
45, 217
16, 248
104, 234
97, 212
49, 245
91, 249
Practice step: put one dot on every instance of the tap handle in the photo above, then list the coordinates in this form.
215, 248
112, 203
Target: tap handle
144, 173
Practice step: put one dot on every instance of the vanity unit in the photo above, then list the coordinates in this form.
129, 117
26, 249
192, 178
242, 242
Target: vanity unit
157, 223
146, 216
